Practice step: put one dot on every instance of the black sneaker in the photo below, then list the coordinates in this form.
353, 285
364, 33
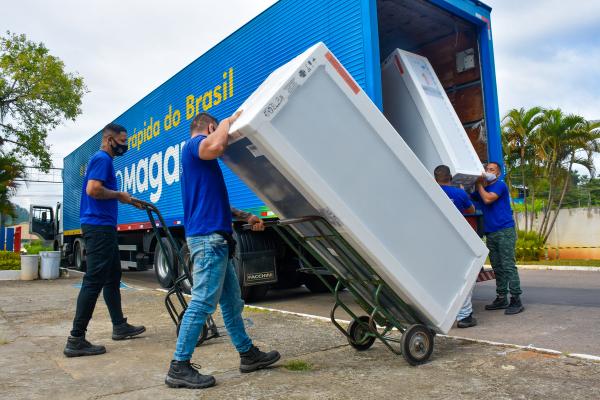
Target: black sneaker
125, 330
255, 359
515, 306
184, 374
467, 322
78, 346
499, 303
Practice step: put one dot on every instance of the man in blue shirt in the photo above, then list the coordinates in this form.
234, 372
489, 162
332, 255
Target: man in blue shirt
208, 230
98, 218
461, 200
501, 238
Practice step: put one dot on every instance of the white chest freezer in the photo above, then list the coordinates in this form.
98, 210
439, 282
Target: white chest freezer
415, 102
311, 142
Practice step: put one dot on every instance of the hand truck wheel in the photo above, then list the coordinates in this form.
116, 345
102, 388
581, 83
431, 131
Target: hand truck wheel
417, 344
357, 333
203, 333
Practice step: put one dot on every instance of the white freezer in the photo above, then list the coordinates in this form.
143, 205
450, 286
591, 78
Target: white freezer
311, 142
416, 104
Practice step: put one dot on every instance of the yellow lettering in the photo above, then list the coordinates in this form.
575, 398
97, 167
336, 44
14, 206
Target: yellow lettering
176, 118
230, 82
198, 103
217, 94
156, 129
207, 105
190, 111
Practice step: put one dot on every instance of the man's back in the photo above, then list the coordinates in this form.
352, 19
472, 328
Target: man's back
459, 197
204, 194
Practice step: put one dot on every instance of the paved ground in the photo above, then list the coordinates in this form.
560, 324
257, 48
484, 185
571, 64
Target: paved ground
35, 317
563, 309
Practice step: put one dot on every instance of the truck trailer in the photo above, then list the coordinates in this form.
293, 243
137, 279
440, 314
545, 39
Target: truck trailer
454, 35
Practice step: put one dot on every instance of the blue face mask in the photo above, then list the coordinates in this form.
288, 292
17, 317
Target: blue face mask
119, 149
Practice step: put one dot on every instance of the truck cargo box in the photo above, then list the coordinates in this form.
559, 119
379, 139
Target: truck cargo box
416, 104
311, 142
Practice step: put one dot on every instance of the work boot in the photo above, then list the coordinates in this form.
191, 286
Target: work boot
499, 303
515, 306
467, 322
254, 359
184, 374
78, 346
125, 330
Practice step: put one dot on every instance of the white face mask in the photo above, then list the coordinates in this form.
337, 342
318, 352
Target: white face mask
490, 177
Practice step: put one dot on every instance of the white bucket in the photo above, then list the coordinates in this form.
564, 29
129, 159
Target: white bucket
50, 266
29, 267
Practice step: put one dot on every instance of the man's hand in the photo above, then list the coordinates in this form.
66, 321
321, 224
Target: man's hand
124, 197
234, 117
257, 223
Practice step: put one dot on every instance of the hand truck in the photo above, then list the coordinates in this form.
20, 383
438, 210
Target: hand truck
386, 313
175, 300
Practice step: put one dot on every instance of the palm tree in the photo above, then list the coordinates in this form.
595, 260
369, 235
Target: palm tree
11, 170
561, 140
519, 128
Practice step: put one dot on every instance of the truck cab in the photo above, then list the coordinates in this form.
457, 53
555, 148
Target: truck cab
46, 222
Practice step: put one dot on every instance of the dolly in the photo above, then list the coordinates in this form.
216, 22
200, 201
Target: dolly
175, 301
322, 250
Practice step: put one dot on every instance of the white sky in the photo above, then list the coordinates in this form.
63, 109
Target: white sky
546, 54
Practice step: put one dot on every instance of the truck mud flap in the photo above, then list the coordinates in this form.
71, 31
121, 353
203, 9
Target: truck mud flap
256, 258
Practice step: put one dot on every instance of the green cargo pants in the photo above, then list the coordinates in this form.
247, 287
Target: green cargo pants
502, 257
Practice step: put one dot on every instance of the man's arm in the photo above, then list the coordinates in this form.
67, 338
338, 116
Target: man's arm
257, 223
486, 197
97, 190
215, 144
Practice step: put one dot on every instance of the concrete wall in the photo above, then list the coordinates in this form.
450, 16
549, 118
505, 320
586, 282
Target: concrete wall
575, 227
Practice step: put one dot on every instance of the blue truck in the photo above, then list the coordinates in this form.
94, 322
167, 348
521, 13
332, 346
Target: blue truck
455, 35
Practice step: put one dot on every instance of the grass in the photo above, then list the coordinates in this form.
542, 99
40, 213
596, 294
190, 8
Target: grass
578, 263
297, 365
252, 309
3, 341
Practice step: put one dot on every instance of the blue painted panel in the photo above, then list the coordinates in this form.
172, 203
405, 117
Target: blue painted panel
10, 239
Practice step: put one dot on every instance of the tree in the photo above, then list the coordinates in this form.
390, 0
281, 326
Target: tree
10, 171
36, 95
541, 147
519, 133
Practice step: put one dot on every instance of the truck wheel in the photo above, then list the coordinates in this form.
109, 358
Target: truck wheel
164, 274
79, 257
315, 285
186, 284
252, 294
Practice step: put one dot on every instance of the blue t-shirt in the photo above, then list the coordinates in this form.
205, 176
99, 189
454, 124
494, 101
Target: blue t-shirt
459, 197
497, 215
93, 211
205, 201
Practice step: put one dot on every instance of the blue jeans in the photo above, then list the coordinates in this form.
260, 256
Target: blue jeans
467, 308
215, 281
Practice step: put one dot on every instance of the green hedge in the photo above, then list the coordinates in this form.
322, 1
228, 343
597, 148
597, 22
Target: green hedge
530, 246
10, 260
36, 246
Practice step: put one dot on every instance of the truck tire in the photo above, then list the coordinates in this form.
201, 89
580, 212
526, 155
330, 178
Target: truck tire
315, 285
79, 257
186, 284
164, 275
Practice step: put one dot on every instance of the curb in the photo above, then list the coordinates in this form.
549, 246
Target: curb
558, 268
554, 268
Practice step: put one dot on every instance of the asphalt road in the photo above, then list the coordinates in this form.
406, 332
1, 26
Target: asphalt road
562, 309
